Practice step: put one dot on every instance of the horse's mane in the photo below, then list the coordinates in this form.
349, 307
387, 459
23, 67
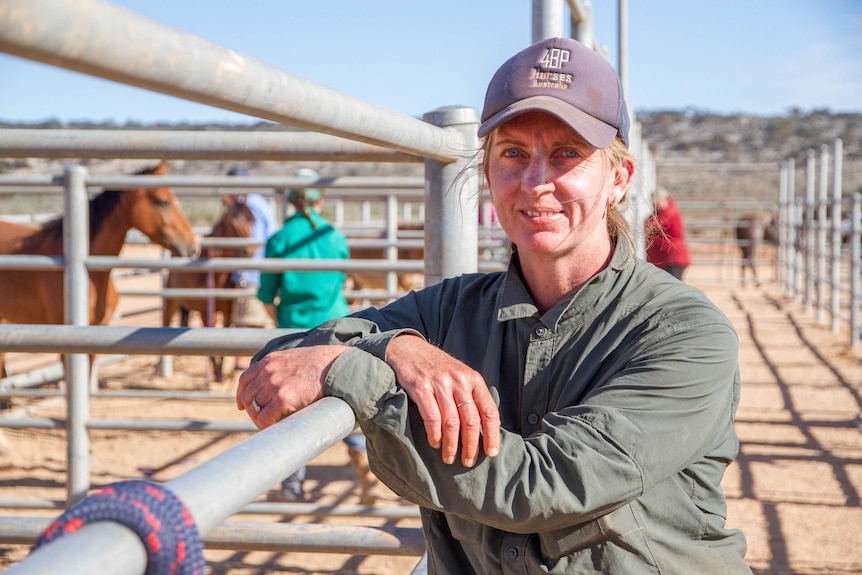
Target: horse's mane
100, 207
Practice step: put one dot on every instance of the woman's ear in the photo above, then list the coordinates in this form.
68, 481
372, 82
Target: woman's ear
622, 179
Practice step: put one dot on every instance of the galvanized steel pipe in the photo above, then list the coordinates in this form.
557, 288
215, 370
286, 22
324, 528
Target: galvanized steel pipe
192, 145
135, 340
212, 492
111, 42
276, 537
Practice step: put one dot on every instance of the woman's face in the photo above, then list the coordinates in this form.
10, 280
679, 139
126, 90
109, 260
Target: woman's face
550, 188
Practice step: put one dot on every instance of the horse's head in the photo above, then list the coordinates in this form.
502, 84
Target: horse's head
235, 222
158, 215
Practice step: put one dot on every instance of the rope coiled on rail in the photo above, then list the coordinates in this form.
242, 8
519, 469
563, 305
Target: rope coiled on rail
152, 511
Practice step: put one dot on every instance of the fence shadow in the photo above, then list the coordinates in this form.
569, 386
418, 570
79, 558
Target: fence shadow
799, 454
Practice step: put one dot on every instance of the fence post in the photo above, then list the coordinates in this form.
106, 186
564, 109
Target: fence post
855, 295
391, 236
166, 362
793, 220
451, 201
836, 235
822, 197
783, 229
547, 19
810, 167
76, 246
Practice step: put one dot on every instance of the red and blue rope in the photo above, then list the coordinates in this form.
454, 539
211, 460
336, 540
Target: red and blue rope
151, 510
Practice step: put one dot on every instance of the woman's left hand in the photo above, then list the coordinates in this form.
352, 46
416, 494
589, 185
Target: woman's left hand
453, 399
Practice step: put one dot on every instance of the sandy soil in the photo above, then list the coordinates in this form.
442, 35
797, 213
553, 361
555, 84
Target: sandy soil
795, 489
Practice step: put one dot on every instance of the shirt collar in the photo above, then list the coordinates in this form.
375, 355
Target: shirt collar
515, 302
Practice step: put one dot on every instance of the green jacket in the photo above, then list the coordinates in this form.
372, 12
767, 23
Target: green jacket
617, 411
306, 299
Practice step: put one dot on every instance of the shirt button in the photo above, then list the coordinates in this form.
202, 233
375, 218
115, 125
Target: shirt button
511, 553
533, 419
540, 331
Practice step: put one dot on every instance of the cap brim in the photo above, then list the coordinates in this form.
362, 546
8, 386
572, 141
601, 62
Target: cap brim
593, 130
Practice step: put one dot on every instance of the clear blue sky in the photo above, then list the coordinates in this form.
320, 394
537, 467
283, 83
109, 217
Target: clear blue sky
752, 56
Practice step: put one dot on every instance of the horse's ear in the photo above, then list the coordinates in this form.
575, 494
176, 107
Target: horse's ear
161, 169
227, 200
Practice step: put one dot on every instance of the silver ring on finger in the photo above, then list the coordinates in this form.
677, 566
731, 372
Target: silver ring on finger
255, 405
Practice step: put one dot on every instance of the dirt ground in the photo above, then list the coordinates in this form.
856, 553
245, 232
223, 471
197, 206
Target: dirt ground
795, 489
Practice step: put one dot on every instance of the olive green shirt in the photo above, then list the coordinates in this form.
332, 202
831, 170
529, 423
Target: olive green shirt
617, 411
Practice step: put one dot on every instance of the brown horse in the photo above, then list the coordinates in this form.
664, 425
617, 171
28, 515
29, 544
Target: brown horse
752, 231
36, 297
235, 222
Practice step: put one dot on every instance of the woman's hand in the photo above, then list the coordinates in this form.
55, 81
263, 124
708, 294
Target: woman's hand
452, 398
283, 382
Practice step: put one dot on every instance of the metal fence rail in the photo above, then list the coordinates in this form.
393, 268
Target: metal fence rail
820, 233
211, 492
183, 65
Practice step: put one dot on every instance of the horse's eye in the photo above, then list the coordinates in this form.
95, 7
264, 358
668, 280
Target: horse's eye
161, 203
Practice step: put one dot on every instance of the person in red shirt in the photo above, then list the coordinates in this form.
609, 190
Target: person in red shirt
665, 231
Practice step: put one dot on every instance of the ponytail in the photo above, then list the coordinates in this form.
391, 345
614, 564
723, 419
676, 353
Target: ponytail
300, 201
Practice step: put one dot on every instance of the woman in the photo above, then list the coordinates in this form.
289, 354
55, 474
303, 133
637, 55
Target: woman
666, 236
616, 384
306, 299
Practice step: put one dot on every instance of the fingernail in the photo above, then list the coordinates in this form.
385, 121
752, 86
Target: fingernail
493, 452
470, 462
449, 460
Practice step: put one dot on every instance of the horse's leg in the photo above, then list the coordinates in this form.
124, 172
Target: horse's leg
5, 403
218, 372
755, 253
104, 299
222, 309
743, 264
95, 382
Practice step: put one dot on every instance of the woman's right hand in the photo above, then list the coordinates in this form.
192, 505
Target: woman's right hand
452, 398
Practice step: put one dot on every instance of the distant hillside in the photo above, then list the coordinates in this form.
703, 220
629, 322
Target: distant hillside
738, 156
696, 153
689, 136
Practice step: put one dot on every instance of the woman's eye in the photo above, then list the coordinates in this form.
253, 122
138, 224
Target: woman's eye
511, 153
570, 153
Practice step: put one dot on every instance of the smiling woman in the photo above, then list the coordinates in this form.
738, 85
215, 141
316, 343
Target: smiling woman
551, 196
590, 429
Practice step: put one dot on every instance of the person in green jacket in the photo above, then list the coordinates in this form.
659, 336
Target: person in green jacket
305, 299
571, 415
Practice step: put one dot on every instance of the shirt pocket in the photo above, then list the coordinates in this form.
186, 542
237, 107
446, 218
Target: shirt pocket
620, 528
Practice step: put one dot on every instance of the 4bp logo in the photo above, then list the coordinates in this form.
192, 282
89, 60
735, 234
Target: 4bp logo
554, 58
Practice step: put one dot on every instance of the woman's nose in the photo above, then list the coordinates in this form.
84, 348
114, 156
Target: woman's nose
537, 177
